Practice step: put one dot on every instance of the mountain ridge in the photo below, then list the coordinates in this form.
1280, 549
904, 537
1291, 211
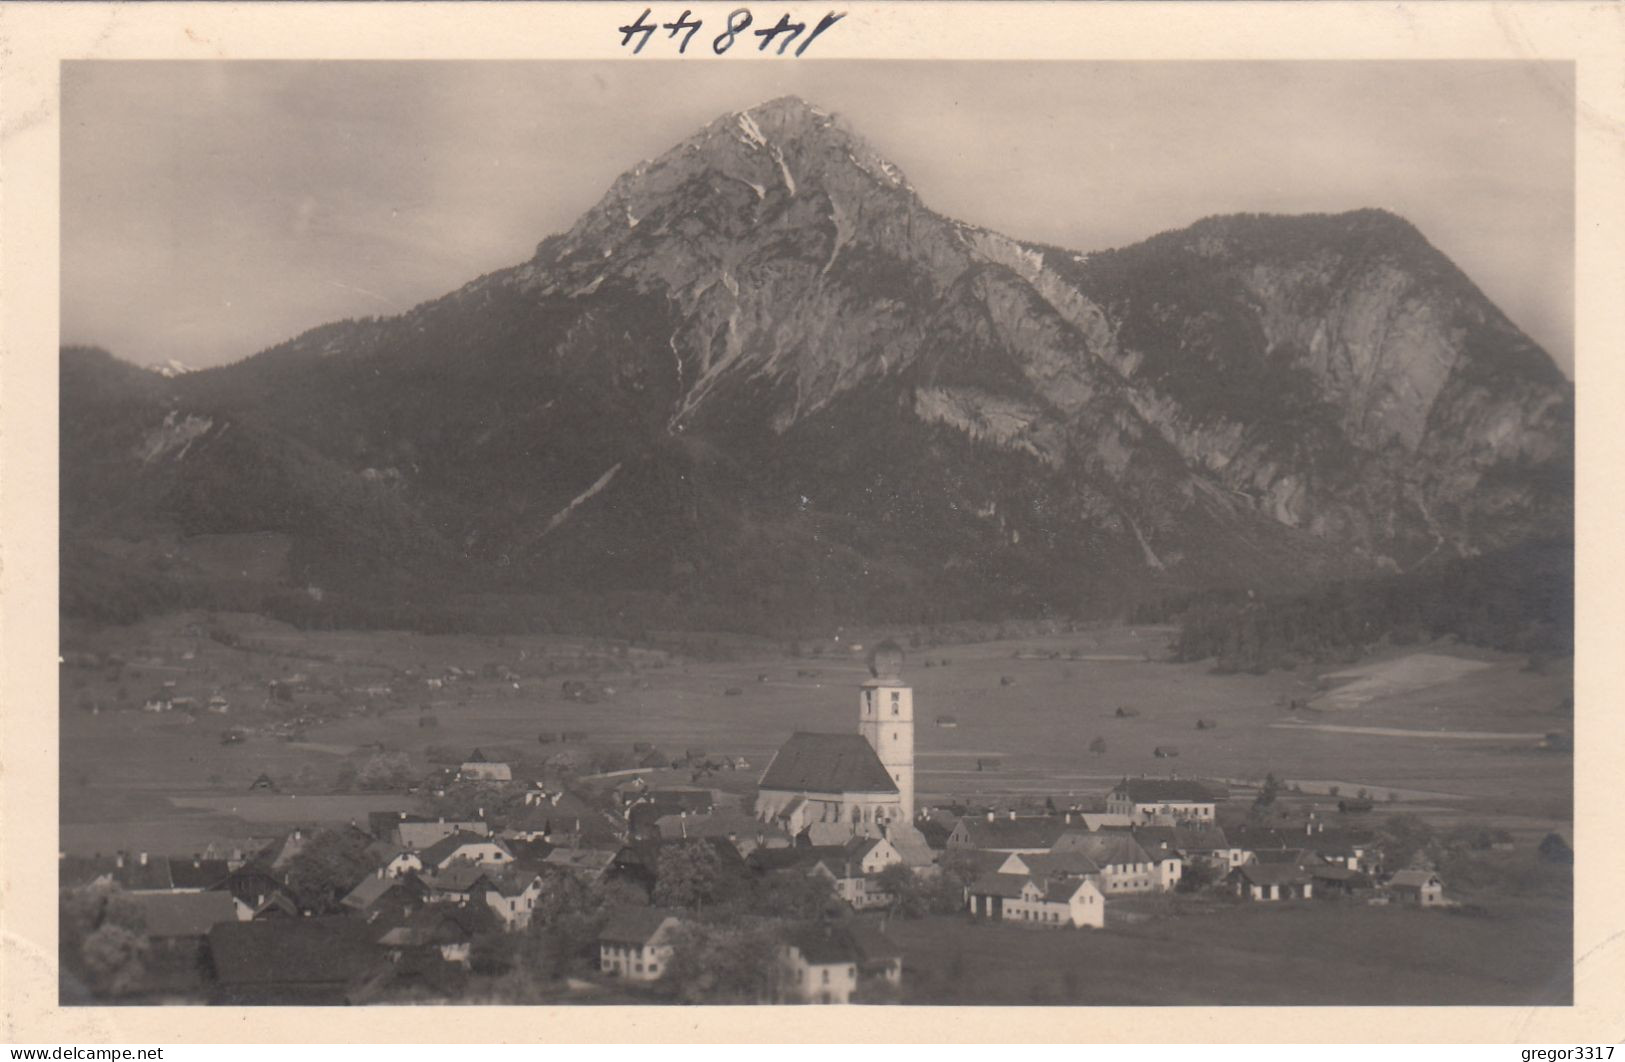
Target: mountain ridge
808, 390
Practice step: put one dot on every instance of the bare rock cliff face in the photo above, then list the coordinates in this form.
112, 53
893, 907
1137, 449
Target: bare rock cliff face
795, 374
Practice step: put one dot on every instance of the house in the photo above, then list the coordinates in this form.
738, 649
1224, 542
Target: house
1125, 867
1159, 843
635, 944
446, 929
1420, 887
1271, 881
383, 889
1055, 901
289, 960
820, 966
587, 864
637, 862
730, 824
513, 894
481, 768
1332, 880
1162, 801
394, 860
880, 962
1009, 834
176, 926
466, 848
563, 818
253, 885
417, 833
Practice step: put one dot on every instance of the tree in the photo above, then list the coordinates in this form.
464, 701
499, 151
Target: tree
1267, 792
908, 900
385, 770
114, 958
734, 963
328, 867
791, 895
1098, 746
687, 875
113, 963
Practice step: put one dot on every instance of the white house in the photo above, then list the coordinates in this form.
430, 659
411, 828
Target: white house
1161, 801
820, 966
1057, 902
635, 943
466, 848
1420, 887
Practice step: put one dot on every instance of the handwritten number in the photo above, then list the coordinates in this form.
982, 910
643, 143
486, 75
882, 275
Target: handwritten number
784, 26
638, 27
823, 24
681, 24
785, 32
725, 39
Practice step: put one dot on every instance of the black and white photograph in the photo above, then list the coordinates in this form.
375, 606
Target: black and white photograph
890, 532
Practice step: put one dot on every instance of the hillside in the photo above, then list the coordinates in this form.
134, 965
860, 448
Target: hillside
760, 385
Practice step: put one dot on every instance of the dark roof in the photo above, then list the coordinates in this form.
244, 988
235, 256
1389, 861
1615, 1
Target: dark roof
1272, 873
633, 925
821, 945
1014, 833
183, 914
285, 951
198, 873
442, 849
1107, 849
1006, 885
1160, 790
827, 763
1181, 838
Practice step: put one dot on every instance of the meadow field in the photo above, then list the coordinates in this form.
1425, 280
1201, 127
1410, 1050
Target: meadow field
1450, 740
1316, 952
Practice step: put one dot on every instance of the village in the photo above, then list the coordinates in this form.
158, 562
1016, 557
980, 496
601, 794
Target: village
650, 874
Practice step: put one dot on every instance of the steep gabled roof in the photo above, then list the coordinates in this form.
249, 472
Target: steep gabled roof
291, 951
183, 914
827, 763
634, 925
1107, 849
1166, 790
1014, 833
442, 849
1272, 873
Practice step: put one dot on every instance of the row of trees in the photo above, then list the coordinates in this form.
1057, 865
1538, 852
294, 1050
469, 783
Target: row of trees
1518, 600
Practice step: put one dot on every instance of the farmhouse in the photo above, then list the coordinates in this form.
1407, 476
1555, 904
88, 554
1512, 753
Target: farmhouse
867, 777
821, 966
466, 848
1161, 801
1420, 887
481, 768
290, 960
1057, 902
1009, 834
635, 944
1125, 867
1271, 881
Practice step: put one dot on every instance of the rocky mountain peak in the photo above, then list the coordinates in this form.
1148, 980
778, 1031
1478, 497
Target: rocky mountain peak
761, 353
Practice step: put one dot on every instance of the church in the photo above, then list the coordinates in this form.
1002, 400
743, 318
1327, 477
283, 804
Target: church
862, 781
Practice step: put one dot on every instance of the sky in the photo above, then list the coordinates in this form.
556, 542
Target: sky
213, 209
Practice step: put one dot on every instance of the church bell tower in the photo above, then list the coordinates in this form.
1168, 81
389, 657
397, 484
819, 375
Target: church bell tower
886, 720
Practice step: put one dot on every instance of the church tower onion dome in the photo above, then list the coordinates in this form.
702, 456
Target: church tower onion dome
886, 661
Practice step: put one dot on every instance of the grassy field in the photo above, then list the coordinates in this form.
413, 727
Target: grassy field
1307, 953
1034, 705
